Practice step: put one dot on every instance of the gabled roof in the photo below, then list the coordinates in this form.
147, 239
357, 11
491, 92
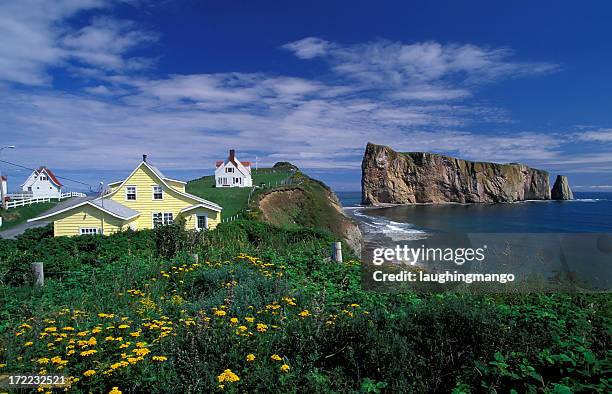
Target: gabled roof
209, 204
51, 175
109, 206
243, 166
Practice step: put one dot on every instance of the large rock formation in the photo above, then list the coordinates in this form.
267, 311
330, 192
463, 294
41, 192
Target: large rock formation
419, 177
561, 189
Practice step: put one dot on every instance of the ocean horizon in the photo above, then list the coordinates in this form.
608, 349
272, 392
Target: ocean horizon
589, 212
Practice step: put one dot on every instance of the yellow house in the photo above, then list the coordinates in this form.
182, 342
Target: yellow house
144, 200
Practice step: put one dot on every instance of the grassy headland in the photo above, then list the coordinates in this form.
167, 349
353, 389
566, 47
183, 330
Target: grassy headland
235, 199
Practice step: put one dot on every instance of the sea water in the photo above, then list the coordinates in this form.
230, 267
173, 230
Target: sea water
532, 228
588, 213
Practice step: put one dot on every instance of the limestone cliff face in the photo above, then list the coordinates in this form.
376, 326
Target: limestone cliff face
420, 177
561, 189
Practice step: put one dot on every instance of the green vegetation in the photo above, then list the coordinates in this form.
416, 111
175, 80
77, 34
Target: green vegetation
307, 202
235, 199
15, 216
265, 310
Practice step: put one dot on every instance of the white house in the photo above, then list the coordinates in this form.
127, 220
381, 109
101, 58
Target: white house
233, 172
42, 183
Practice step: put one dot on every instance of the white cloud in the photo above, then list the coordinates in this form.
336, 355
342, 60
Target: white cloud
419, 71
104, 42
36, 37
601, 135
308, 48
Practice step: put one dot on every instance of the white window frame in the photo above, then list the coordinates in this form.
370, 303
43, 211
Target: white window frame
197, 224
162, 192
89, 231
163, 219
127, 187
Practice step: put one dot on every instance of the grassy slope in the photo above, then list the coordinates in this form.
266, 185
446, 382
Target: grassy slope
233, 199
312, 208
15, 216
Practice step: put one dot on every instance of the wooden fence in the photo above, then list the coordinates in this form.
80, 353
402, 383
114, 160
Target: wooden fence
24, 202
71, 194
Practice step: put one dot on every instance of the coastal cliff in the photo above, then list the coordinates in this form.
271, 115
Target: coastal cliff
421, 177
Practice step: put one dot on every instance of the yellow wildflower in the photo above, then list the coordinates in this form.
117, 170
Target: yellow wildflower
250, 357
234, 320
160, 358
304, 313
249, 319
284, 368
120, 364
262, 327
227, 376
220, 313
141, 351
275, 357
115, 390
123, 326
87, 353
28, 344
89, 372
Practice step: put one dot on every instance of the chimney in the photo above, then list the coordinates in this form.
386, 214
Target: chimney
232, 155
144, 158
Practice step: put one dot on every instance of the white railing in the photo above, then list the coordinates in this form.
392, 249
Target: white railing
29, 201
71, 194
19, 196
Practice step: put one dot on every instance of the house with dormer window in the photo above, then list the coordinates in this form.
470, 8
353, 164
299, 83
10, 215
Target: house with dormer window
42, 183
144, 200
233, 172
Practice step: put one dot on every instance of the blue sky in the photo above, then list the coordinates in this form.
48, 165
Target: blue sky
87, 86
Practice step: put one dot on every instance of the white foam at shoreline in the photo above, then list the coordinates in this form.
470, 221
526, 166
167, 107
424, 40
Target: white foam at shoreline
397, 231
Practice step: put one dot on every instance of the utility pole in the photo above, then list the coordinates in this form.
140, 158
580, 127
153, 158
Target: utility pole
102, 202
2, 197
256, 164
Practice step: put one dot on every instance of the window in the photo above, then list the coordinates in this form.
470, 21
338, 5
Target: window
89, 231
158, 192
202, 223
162, 218
130, 193
229, 169
43, 178
157, 219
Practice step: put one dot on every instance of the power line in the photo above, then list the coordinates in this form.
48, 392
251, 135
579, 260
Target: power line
60, 177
